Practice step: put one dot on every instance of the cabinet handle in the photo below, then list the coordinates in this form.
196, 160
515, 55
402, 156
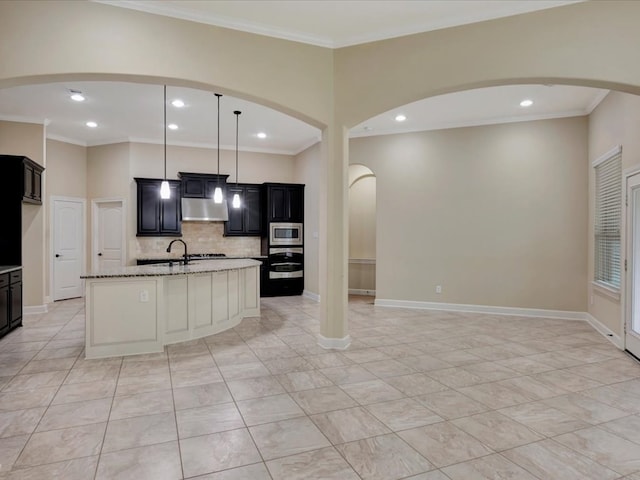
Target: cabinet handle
58, 255
99, 254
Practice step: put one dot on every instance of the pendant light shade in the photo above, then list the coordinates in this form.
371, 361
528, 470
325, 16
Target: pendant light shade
165, 191
217, 193
236, 196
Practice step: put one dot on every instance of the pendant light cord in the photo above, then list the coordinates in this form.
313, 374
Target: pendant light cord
165, 132
237, 114
218, 177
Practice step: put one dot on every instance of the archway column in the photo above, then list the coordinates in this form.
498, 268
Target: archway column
334, 245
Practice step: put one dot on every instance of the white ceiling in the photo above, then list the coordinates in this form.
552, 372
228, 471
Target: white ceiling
337, 23
133, 112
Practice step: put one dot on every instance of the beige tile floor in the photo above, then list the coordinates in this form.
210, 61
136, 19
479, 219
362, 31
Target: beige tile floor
420, 395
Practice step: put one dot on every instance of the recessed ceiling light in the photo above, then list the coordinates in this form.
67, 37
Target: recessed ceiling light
262, 135
526, 103
76, 96
91, 124
172, 126
177, 103
400, 118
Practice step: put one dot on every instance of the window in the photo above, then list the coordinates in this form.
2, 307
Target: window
607, 218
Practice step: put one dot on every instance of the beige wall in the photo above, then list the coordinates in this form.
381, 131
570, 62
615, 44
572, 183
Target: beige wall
28, 139
616, 121
66, 169
307, 171
66, 177
108, 177
119, 43
595, 40
147, 161
497, 215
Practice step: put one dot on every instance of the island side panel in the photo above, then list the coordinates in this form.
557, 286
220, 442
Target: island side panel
176, 310
251, 292
200, 305
122, 317
234, 295
220, 300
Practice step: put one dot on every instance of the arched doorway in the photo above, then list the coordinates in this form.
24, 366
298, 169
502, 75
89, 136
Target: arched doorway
362, 231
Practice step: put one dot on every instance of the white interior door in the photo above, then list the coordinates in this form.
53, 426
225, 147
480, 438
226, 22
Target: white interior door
68, 248
632, 327
109, 235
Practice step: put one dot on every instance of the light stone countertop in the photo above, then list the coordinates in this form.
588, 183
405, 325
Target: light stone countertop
9, 268
226, 257
161, 270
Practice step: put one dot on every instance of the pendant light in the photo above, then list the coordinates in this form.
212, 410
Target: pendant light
165, 191
217, 193
236, 196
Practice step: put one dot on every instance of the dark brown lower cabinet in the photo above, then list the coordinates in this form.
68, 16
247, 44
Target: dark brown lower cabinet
10, 301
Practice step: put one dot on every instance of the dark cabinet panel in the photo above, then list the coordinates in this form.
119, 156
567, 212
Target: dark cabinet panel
157, 216
170, 212
32, 186
253, 209
235, 225
28, 181
4, 309
201, 185
278, 209
296, 204
15, 294
18, 173
285, 202
246, 220
10, 301
148, 208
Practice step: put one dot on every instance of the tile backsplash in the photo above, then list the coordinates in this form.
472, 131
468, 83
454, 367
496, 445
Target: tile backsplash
200, 237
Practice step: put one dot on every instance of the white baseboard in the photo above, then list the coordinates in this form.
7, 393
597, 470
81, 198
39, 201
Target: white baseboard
459, 307
34, 310
334, 343
360, 291
604, 330
311, 295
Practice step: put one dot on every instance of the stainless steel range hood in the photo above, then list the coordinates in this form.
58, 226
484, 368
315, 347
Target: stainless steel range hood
204, 210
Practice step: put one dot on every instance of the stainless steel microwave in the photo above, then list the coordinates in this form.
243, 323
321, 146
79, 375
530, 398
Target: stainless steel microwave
285, 234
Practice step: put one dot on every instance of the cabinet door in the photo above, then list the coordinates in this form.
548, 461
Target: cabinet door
148, 208
235, 225
4, 309
37, 185
296, 204
170, 211
28, 181
252, 213
278, 204
15, 295
193, 187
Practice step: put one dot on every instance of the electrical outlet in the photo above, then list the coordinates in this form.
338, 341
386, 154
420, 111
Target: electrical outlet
144, 296
438, 288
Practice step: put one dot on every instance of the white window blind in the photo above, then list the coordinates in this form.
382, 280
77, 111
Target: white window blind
607, 221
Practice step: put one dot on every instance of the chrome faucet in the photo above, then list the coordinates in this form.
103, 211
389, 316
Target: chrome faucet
186, 256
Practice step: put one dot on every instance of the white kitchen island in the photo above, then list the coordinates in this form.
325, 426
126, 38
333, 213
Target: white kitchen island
140, 309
